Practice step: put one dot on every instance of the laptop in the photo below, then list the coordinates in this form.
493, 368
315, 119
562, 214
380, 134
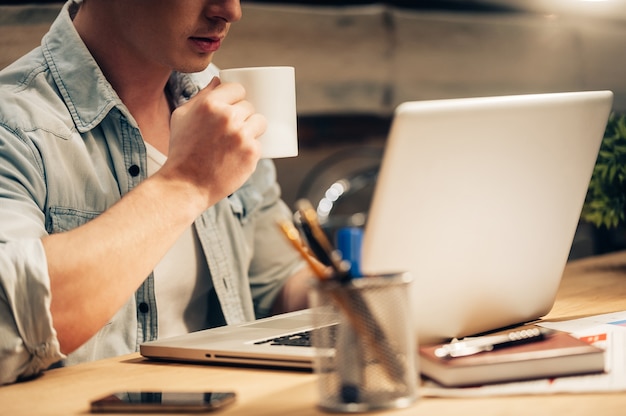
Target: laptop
478, 198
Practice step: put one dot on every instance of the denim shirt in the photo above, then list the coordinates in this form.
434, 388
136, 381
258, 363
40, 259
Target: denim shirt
69, 150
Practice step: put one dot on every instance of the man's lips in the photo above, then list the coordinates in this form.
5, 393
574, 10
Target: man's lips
206, 44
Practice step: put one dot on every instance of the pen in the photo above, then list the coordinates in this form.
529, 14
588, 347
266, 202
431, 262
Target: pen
316, 249
473, 346
318, 240
350, 362
292, 234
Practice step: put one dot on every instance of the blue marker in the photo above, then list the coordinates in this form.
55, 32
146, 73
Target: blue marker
349, 355
349, 242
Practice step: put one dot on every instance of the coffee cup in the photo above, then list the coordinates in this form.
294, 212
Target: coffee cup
272, 92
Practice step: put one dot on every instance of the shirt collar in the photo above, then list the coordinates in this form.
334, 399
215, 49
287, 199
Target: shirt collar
182, 87
86, 92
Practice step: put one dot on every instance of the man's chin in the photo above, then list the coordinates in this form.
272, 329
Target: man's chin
194, 66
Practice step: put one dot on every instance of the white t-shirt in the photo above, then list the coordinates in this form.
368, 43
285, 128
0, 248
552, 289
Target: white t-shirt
182, 279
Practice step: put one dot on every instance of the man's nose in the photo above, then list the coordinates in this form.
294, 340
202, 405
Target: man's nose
228, 10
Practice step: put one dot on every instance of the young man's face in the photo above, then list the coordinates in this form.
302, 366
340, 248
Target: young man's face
178, 34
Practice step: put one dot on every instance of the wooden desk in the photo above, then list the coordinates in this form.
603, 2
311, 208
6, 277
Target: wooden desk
590, 286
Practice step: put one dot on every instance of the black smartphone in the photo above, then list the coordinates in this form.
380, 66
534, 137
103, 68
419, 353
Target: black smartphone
161, 401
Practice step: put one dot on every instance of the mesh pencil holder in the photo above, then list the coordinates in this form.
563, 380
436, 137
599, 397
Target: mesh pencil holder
366, 345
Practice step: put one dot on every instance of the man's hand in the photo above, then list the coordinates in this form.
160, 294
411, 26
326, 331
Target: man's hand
214, 142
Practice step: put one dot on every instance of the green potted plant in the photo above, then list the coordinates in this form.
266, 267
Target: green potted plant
605, 203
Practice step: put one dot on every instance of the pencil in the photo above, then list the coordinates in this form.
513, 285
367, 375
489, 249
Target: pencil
292, 234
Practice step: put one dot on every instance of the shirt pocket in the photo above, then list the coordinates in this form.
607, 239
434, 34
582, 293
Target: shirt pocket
65, 219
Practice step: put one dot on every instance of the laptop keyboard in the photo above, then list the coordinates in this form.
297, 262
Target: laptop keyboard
299, 339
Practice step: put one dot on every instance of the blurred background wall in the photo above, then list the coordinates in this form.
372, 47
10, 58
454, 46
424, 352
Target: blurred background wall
357, 60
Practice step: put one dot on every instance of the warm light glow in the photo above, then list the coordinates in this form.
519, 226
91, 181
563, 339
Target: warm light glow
610, 9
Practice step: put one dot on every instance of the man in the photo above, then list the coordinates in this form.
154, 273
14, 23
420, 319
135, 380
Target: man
124, 186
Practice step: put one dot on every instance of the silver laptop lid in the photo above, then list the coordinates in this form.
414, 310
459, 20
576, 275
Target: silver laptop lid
480, 199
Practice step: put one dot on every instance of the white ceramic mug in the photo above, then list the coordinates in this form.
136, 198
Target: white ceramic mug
272, 92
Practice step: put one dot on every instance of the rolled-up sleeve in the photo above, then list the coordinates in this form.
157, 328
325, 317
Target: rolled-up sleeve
274, 260
28, 343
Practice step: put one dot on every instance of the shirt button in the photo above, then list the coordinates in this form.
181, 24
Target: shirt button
188, 91
143, 307
133, 170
